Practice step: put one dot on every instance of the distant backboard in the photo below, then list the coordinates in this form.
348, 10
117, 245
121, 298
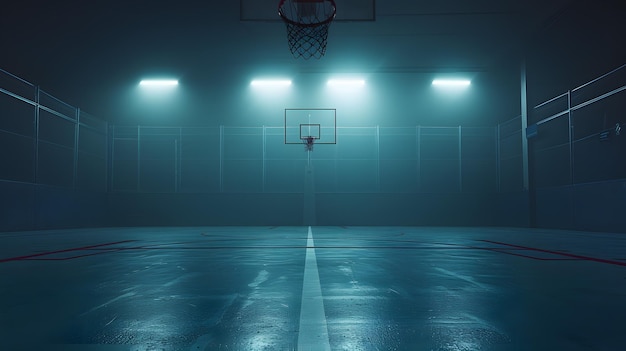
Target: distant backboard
347, 10
318, 123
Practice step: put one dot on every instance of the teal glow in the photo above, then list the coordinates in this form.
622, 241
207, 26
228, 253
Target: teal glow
271, 82
346, 83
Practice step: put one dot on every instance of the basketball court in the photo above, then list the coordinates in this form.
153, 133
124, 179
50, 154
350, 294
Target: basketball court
313, 175
312, 288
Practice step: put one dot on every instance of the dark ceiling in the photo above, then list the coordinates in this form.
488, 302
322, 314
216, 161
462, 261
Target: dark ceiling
78, 49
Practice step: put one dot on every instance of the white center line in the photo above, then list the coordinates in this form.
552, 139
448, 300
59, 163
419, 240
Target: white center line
313, 333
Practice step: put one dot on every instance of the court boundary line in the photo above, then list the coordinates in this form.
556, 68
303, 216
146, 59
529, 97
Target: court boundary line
309, 246
89, 247
580, 257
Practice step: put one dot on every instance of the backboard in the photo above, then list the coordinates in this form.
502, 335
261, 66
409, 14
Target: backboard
267, 10
317, 123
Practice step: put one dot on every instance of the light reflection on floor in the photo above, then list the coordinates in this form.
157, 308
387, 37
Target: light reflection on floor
383, 288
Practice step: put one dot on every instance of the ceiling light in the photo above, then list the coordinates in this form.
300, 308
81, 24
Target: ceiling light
451, 82
159, 82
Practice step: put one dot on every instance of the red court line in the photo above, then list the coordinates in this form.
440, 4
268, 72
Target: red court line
18, 258
105, 251
506, 251
587, 258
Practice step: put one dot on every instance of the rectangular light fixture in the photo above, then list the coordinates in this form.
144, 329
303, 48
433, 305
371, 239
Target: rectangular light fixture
271, 82
451, 82
159, 82
346, 82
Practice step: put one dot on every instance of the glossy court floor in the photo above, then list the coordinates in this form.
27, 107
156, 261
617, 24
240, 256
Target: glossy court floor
320, 288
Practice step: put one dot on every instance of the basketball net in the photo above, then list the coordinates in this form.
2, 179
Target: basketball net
308, 143
307, 25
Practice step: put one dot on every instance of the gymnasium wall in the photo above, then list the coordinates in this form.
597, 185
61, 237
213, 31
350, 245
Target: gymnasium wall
373, 175
53, 158
576, 82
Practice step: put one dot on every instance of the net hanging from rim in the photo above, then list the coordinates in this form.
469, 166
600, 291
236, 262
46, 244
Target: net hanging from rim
308, 142
307, 25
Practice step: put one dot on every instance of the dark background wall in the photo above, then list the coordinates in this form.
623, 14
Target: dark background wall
247, 175
430, 209
65, 168
28, 207
580, 43
402, 157
53, 161
74, 170
577, 175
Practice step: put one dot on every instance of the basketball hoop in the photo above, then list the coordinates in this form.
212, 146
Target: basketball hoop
307, 25
308, 143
